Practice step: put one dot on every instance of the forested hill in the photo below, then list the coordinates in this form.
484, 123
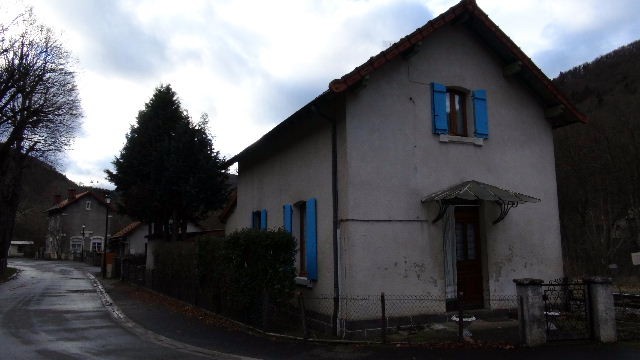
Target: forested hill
40, 182
598, 165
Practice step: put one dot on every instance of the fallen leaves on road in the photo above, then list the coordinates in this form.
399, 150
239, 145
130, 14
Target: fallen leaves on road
177, 306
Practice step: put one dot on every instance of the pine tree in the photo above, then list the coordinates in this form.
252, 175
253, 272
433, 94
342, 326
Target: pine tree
168, 172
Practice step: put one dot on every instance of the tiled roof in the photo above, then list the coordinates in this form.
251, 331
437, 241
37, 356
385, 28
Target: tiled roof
66, 202
127, 229
499, 39
232, 201
467, 12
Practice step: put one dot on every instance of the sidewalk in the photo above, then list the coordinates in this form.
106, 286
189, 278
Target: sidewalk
185, 324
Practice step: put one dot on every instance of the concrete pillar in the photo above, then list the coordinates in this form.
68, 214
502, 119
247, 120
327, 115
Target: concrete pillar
531, 311
601, 309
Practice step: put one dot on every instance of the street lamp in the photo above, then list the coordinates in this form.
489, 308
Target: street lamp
82, 245
107, 200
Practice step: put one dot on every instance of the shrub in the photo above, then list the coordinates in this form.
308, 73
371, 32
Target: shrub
237, 275
260, 267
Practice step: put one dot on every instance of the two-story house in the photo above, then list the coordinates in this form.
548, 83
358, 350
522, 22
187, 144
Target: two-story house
429, 169
77, 225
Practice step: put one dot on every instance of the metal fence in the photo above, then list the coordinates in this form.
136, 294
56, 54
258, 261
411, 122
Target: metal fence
133, 273
392, 318
627, 315
387, 318
565, 309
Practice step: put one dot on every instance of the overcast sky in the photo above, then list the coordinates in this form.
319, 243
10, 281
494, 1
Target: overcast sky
251, 64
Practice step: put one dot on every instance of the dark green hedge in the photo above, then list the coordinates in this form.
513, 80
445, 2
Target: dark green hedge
238, 275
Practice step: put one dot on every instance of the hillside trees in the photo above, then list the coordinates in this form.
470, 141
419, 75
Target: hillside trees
168, 172
39, 108
598, 166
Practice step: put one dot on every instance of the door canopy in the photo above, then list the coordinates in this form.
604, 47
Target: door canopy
474, 190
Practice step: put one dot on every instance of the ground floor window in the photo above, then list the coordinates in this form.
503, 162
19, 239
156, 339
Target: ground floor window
301, 210
96, 245
76, 246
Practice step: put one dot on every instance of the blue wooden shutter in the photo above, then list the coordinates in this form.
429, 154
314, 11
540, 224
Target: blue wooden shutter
263, 220
254, 224
480, 115
439, 108
287, 210
311, 236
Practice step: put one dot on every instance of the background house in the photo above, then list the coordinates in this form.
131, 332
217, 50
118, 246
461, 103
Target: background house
76, 225
21, 248
451, 123
131, 240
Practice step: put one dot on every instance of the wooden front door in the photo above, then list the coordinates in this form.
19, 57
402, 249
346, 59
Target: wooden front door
468, 257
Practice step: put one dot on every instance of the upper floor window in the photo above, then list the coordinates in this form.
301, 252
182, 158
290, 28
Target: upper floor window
450, 112
456, 105
87, 205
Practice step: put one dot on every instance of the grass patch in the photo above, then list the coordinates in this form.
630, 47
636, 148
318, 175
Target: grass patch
6, 276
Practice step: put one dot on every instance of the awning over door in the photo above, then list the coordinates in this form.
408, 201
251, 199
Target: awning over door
475, 190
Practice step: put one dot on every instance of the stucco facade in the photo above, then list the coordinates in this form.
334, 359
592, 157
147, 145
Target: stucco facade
66, 221
390, 151
369, 152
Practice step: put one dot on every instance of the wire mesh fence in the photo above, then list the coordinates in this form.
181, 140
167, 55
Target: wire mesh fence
386, 318
627, 315
401, 318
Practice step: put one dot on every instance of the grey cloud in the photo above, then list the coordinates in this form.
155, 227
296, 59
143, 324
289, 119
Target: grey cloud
289, 97
393, 20
114, 43
571, 49
389, 24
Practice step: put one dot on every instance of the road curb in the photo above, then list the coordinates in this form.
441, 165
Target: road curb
140, 331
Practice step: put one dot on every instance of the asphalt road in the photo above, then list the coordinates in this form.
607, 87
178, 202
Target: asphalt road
52, 311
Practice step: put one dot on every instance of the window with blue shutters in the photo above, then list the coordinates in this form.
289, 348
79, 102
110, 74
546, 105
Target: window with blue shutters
287, 218
301, 236
439, 109
263, 219
480, 115
301, 220
259, 219
311, 236
256, 219
450, 111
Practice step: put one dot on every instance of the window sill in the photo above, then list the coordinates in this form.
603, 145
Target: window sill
461, 139
303, 281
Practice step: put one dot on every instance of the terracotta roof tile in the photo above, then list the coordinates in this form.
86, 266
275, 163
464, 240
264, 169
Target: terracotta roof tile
127, 229
451, 15
459, 12
66, 202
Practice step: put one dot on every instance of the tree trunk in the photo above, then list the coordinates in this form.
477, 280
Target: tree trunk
10, 174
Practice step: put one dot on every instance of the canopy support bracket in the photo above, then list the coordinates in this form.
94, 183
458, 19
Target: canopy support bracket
505, 206
442, 209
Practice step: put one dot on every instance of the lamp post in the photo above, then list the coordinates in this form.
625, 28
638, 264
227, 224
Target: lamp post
107, 200
82, 245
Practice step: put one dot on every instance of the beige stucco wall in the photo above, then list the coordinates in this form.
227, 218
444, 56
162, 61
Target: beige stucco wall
388, 160
69, 221
392, 159
300, 173
137, 240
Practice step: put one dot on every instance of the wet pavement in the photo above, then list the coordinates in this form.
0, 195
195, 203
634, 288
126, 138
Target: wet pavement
52, 310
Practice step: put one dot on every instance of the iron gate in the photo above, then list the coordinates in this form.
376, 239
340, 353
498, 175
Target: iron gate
566, 311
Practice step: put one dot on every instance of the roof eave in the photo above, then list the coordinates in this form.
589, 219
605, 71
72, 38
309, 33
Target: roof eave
461, 13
